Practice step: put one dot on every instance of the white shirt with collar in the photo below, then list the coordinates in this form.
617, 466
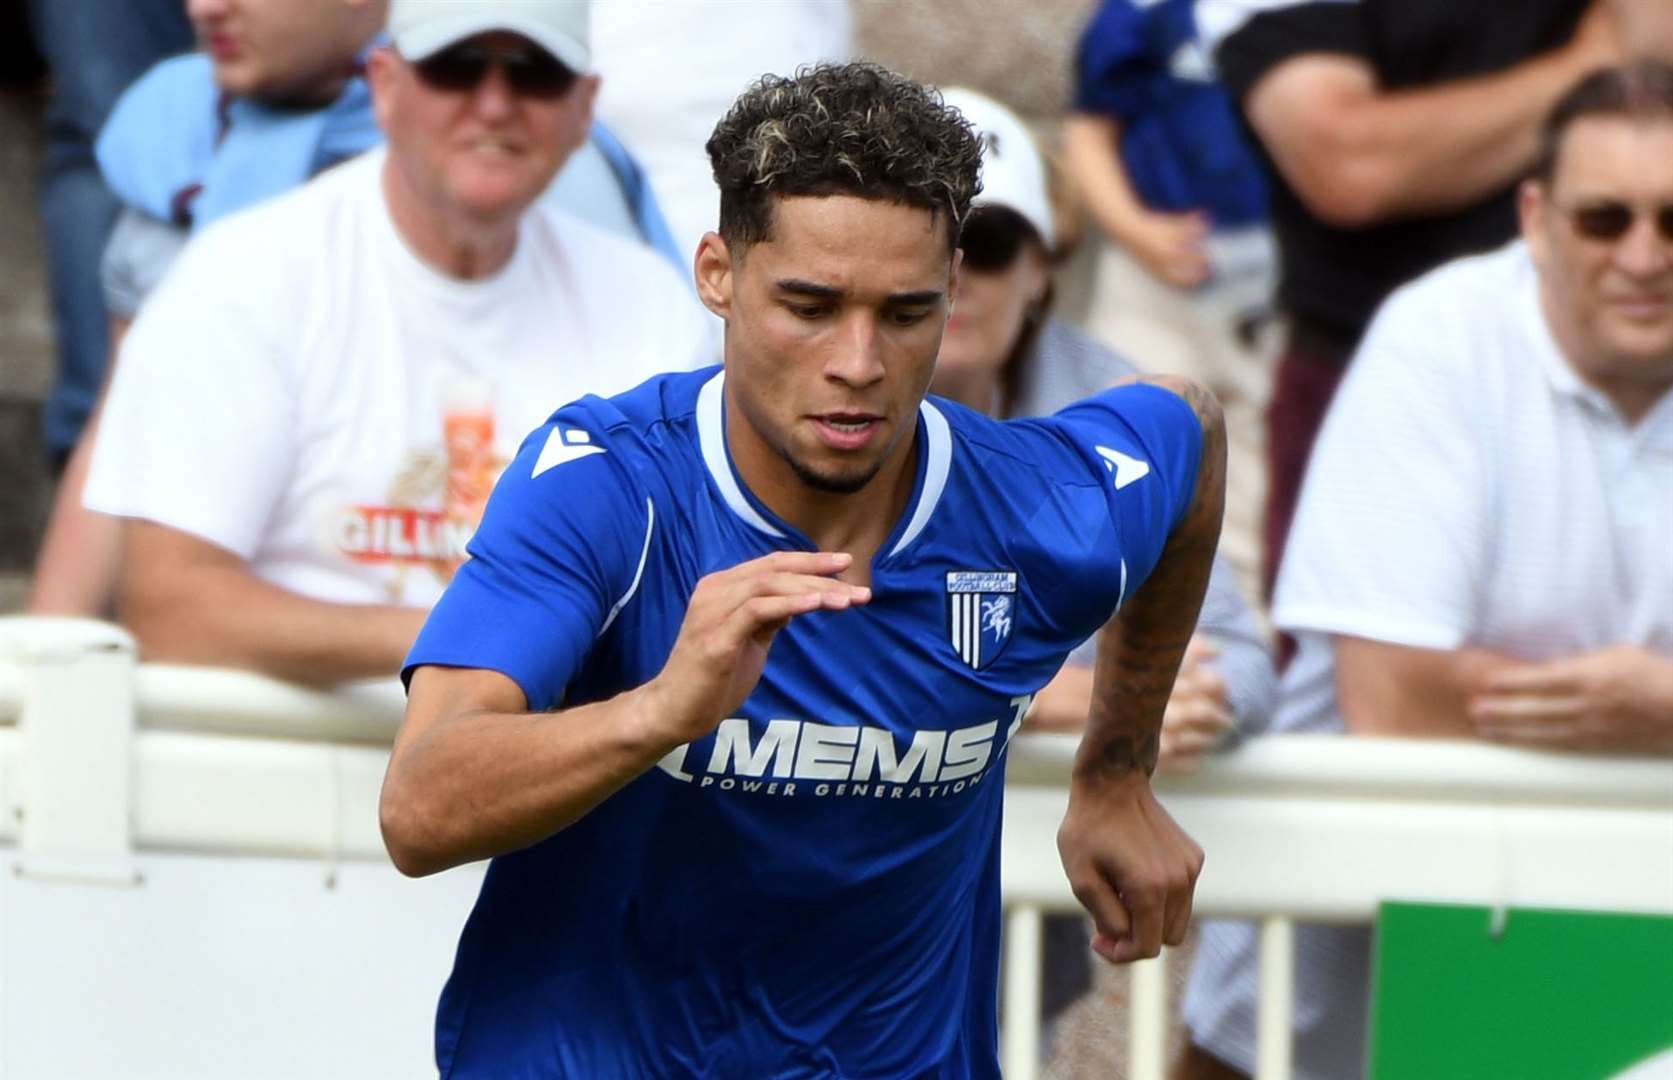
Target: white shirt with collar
1467, 489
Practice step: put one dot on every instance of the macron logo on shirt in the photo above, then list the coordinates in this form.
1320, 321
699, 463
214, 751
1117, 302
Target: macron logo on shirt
563, 446
1126, 469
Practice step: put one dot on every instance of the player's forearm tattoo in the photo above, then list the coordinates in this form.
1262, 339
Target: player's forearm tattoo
1140, 651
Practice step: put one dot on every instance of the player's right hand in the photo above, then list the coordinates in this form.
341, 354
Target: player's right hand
729, 625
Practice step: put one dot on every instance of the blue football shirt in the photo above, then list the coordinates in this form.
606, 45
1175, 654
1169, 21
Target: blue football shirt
812, 890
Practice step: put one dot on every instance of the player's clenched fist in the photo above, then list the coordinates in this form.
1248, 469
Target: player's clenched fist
1129, 864
729, 624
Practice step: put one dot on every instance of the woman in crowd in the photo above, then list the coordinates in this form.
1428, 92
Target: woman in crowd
1005, 354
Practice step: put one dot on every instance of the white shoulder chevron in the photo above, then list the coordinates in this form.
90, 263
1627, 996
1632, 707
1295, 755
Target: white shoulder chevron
1126, 468
563, 446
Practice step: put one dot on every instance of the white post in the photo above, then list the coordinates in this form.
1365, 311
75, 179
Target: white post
1021, 1037
1148, 1019
1275, 1004
76, 732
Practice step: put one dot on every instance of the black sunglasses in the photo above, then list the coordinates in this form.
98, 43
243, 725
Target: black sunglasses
530, 72
992, 237
1612, 220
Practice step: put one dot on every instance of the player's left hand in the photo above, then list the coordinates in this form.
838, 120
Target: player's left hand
1130, 865
1618, 699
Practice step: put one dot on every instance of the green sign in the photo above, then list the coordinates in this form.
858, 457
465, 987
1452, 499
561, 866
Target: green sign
1541, 995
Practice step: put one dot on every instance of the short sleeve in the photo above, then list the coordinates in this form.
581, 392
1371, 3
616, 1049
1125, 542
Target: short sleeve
1148, 442
1242, 657
136, 257
1108, 48
1390, 532
560, 550
1248, 38
198, 430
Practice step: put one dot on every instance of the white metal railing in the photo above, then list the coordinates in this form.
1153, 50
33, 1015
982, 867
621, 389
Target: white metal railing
101, 758
1324, 828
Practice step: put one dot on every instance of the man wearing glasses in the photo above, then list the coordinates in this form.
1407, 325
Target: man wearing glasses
1481, 549
313, 406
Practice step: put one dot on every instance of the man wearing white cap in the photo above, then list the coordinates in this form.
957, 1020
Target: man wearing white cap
313, 406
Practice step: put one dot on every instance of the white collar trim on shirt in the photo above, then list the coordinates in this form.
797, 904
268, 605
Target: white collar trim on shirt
940, 443
1560, 373
711, 433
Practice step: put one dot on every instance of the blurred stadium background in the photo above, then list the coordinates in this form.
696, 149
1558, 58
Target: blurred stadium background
1019, 52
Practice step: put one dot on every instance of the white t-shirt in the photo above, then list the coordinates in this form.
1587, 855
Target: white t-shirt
141, 248
663, 92
305, 392
1467, 489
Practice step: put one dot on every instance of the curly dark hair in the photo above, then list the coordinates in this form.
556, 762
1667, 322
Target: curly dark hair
841, 129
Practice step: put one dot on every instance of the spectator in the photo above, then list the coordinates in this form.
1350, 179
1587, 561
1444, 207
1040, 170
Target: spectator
312, 407
1395, 133
275, 99
278, 98
94, 49
1003, 353
1185, 286
1481, 547
664, 90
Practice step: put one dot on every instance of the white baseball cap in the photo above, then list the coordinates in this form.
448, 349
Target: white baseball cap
1013, 173
422, 28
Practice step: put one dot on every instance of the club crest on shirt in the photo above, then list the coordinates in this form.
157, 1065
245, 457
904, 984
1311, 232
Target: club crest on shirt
981, 612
